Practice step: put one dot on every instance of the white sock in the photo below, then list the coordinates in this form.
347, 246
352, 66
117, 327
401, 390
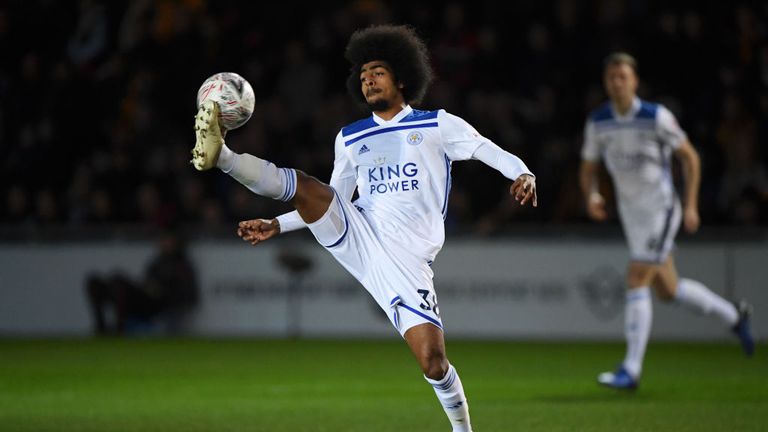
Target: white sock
451, 395
260, 176
698, 297
638, 316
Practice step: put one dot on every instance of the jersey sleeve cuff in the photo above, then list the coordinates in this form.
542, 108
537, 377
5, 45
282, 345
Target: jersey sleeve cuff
290, 222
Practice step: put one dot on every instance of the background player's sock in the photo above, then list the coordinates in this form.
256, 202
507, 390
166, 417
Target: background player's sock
698, 297
260, 176
638, 316
450, 392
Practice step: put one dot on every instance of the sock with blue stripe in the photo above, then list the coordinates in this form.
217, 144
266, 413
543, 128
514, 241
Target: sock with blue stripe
450, 392
260, 176
638, 316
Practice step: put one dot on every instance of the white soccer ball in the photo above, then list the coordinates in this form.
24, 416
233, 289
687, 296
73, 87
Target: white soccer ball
233, 94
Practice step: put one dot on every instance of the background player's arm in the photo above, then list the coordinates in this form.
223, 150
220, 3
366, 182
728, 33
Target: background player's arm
594, 201
671, 134
590, 157
691, 168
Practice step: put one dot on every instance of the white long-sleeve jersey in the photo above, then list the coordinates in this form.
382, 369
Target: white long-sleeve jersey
401, 169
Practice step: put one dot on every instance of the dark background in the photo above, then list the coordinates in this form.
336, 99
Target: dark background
98, 99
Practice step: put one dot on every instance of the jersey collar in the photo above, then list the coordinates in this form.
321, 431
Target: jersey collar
630, 115
401, 115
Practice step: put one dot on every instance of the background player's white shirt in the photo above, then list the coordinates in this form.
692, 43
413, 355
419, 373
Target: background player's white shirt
402, 171
637, 149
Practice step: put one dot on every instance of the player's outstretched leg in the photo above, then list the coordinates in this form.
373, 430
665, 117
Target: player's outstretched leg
308, 195
742, 328
260, 176
208, 137
698, 297
427, 344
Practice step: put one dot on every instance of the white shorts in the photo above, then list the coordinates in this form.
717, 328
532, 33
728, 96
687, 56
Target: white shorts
400, 282
651, 233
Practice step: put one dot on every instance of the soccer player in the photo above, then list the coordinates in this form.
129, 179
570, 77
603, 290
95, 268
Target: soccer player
636, 139
399, 161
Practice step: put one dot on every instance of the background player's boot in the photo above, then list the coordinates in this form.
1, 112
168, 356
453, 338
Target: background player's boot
741, 329
621, 380
208, 140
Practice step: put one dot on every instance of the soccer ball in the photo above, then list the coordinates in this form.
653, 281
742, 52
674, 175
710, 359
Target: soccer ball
233, 94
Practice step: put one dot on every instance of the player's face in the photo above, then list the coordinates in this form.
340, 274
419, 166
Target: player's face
378, 85
620, 82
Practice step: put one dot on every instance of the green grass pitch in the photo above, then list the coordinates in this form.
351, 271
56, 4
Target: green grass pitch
317, 385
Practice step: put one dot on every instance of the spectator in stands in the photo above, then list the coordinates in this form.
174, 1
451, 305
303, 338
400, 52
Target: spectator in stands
167, 291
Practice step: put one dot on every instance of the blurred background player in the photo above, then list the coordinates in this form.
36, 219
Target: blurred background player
399, 161
637, 139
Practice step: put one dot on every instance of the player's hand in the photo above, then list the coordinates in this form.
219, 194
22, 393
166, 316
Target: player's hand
524, 189
691, 220
596, 207
255, 231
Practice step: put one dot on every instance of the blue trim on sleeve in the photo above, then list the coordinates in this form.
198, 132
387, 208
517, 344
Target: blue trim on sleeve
447, 186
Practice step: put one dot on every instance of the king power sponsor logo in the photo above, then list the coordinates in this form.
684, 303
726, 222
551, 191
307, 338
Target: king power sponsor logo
393, 178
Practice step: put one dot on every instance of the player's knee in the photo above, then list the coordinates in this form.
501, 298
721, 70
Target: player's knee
637, 279
434, 364
312, 197
664, 293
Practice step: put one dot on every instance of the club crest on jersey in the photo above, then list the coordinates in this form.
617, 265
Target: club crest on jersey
414, 138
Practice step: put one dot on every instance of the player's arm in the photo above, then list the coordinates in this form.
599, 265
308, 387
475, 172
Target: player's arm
595, 203
512, 167
670, 133
342, 180
590, 154
461, 142
691, 170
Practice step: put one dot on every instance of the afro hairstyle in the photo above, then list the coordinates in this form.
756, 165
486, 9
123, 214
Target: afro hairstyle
401, 48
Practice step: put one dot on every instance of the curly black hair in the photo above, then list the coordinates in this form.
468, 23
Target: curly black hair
401, 48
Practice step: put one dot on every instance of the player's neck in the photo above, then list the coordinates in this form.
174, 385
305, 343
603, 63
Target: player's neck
623, 107
391, 112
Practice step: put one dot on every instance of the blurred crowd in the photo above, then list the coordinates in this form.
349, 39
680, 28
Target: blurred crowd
98, 99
